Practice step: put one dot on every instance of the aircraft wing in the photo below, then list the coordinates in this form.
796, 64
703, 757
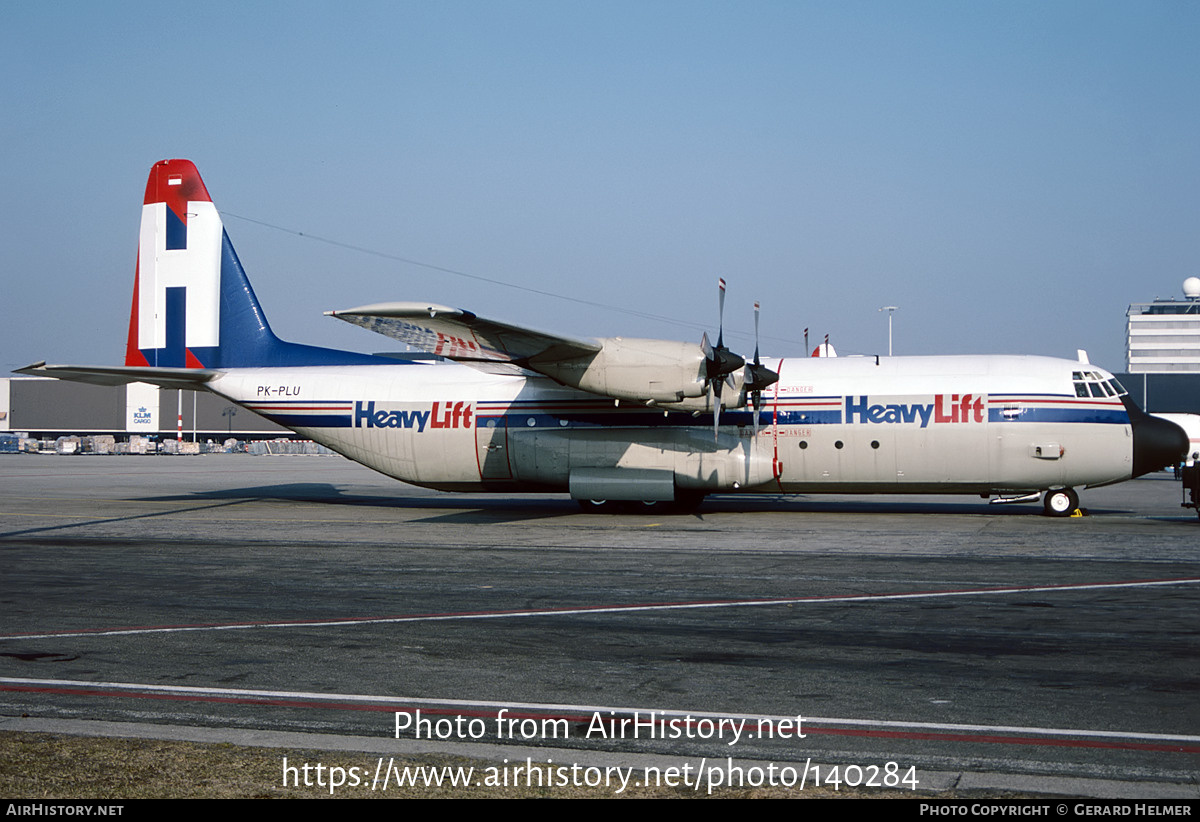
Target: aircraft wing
182, 378
461, 335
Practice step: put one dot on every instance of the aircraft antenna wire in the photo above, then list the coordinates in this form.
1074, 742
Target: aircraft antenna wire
479, 278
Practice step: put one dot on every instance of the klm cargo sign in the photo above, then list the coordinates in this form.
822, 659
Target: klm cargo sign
141, 408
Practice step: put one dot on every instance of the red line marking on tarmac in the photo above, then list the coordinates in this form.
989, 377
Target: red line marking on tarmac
1053, 737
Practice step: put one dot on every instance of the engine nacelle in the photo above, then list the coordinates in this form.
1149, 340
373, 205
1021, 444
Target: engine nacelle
733, 397
661, 371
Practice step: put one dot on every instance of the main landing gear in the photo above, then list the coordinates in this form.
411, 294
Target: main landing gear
615, 506
685, 502
1060, 502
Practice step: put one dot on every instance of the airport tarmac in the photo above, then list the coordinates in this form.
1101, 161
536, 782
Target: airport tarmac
308, 594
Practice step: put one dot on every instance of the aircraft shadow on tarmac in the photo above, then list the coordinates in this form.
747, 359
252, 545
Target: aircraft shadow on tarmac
460, 508
470, 508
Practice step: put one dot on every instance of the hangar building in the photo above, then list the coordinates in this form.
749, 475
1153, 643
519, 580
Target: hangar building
49, 408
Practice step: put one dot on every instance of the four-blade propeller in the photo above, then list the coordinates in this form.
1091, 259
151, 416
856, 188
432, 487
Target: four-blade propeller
757, 376
720, 364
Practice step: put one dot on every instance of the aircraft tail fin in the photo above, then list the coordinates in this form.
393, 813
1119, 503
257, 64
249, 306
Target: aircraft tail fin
193, 306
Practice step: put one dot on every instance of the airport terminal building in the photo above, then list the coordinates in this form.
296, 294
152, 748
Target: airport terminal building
1162, 352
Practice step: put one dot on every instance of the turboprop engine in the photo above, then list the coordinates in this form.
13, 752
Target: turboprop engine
643, 371
673, 375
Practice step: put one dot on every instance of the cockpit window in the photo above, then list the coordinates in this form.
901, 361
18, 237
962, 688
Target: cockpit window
1093, 384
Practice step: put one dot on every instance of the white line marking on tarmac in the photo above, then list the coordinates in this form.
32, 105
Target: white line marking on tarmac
605, 609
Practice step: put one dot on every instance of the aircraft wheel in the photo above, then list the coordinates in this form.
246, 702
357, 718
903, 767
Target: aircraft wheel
1060, 502
595, 506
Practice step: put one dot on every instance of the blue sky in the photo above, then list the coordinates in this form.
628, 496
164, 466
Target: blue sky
1010, 174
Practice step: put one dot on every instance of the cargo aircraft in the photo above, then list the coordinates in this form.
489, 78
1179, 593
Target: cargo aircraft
505, 408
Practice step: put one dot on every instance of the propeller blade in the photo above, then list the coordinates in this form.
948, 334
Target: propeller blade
714, 399
756, 360
719, 361
720, 312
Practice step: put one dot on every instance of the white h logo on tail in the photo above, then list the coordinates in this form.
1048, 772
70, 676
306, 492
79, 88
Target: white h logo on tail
196, 266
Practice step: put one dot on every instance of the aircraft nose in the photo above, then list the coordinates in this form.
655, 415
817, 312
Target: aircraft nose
1157, 443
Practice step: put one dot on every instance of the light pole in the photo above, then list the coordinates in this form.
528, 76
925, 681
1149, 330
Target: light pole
890, 309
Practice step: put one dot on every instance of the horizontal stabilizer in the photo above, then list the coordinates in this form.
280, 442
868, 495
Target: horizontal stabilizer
461, 335
182, 378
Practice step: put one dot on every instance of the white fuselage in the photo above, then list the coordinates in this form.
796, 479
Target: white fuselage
858, 424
